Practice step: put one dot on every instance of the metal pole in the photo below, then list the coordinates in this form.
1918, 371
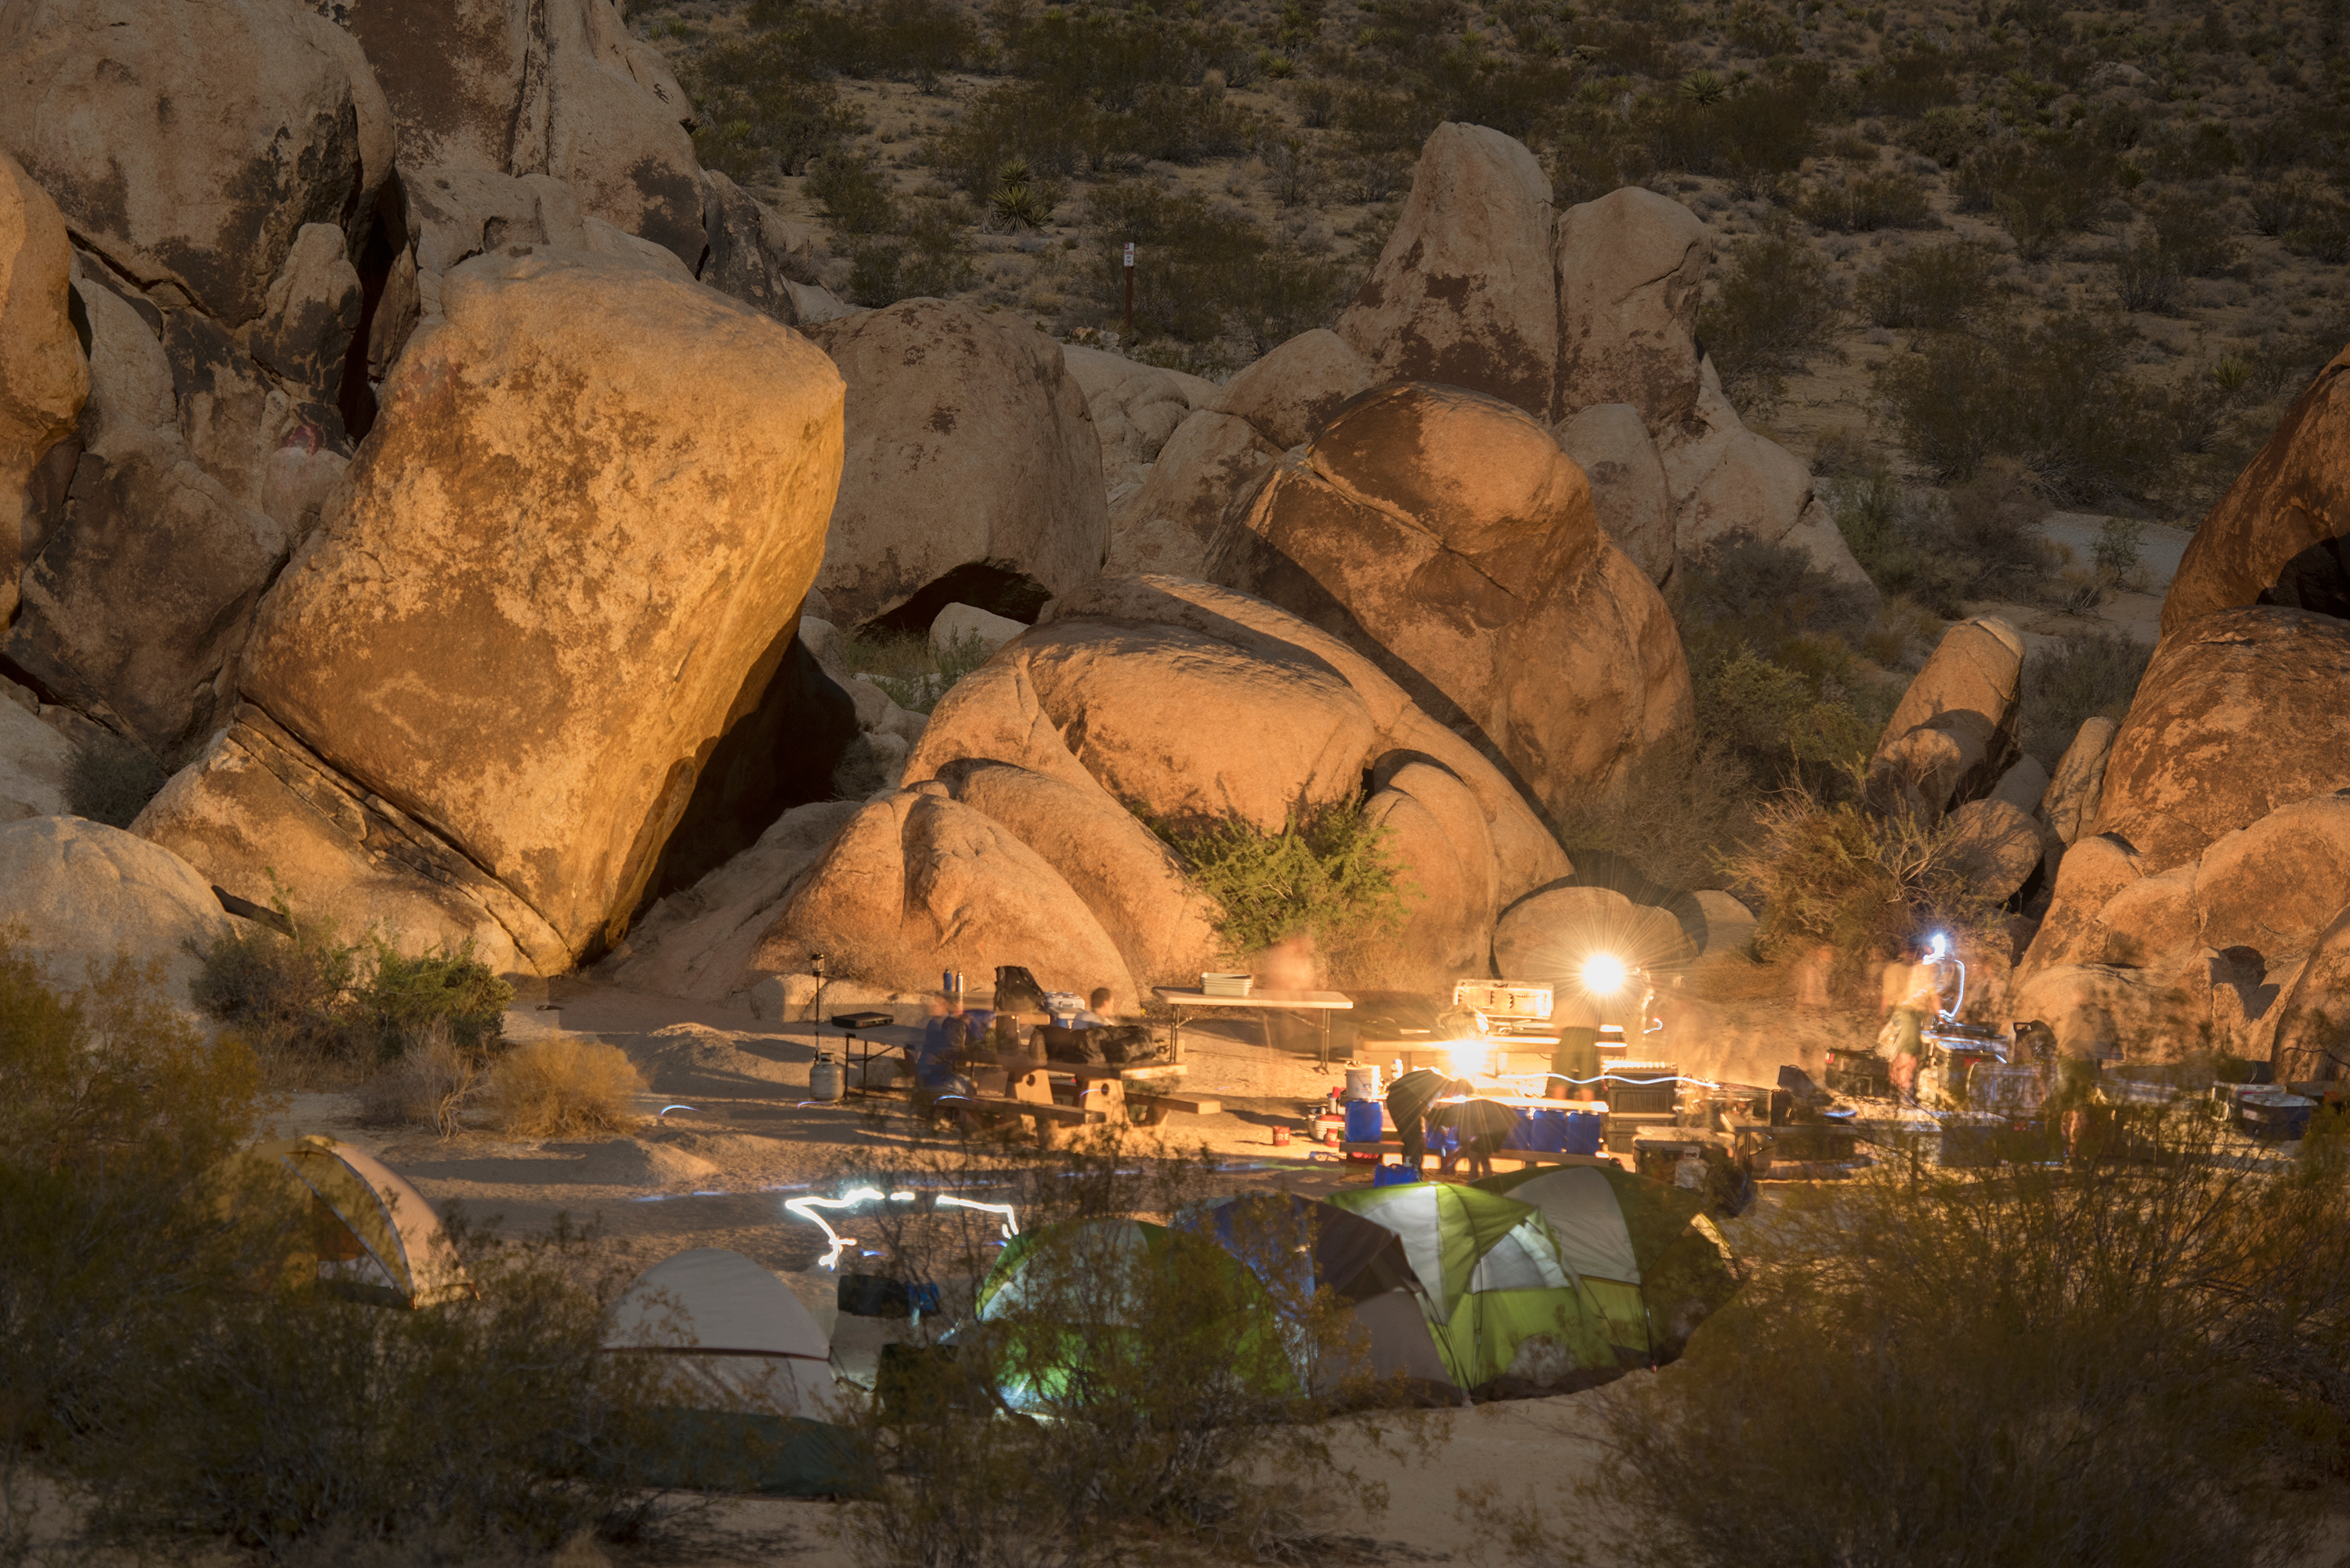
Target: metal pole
1129, 292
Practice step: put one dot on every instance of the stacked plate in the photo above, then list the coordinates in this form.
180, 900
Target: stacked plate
1226, 984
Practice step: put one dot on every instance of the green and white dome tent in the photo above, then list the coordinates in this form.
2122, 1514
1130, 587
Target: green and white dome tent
1498, 1298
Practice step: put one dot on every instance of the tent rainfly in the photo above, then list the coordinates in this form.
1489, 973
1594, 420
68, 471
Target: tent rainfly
740, 1338
374, 1236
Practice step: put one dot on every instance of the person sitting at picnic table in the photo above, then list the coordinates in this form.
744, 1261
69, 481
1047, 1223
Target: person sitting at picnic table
942, 1046
1092, 1017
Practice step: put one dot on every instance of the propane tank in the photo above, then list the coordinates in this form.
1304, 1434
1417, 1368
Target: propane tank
824, 1078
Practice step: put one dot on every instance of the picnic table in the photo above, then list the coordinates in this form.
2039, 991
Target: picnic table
1321, 1004
1046, 1095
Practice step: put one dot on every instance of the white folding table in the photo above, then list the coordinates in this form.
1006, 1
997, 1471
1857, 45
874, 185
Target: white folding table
1321, 1004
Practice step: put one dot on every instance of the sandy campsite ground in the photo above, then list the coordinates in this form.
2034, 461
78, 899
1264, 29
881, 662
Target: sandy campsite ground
717, 1176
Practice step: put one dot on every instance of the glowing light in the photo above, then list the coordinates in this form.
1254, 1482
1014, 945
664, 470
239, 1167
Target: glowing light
1940, 946
1603, 974
1011, 1224
806, 1208
1469, 1057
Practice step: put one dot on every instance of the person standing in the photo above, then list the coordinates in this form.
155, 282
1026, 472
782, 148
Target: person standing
1574, 1064
1912, 995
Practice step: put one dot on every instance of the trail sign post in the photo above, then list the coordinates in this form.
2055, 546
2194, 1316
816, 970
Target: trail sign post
1130, 290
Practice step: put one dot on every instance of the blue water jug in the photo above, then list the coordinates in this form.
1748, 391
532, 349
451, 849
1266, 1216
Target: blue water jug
1394, 1176
1582, 1134
1363, 1121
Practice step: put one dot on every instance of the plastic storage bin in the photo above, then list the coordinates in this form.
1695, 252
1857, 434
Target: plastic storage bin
1365, 1121
1394, 1176
1582, 1132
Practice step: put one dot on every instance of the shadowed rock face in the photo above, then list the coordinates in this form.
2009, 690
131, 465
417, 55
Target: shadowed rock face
1631, 270
43, 373
539, 86
1445, 536
1465, 294
2281, 534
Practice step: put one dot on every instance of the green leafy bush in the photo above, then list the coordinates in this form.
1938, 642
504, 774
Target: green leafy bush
313, 1004
1937, 287
1773, 312
933, 257
1329, 875
760, 112
111, 779
1206, 272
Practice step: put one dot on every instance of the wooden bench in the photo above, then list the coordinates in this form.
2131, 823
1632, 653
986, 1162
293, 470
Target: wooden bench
1139, 1095
1522, 1156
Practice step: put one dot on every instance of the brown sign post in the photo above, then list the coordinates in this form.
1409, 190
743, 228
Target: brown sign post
1129, 292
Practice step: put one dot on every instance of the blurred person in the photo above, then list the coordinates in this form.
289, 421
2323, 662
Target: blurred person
940, 1047
1912, 995
1575, 1065
1096, 1011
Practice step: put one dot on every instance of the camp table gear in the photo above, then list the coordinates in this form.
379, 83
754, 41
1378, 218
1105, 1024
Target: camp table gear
1641, 1088
2275, 1114
1321, 1004
1859, 1074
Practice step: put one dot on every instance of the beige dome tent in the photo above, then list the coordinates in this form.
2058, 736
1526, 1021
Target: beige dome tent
740, 1338
373, 1235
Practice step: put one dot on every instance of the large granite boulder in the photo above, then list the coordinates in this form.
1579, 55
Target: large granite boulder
2281, 535
2070, 803
558, 88
1629, 493
1631, 275
539, 698
2241, 711
1297, 388
917, 882
1465, 293
84, 894
1952, 735
1135, 408
44, 375
1210, 468
34, 758
189, 142
1443, 535
969, 449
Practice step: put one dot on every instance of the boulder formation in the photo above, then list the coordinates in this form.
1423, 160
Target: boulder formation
2279, 536
83, 893
973, 472
1443, 535
1630, 492
2204, 895
1631, 275
537, 700
1135, 408
43, 372
1465, 293
1138, 700
1952, 736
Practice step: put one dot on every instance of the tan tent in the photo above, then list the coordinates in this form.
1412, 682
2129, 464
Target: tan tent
736, 1335
374, 1236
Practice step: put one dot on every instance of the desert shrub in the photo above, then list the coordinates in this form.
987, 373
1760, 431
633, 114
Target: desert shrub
2040, 188
2145, 276
2057, 398
1773, 312
1742, 591
909, 40
116, 1117
909, 668
759, 113
1937, 287
1754, 138
854, 192
2084, 676
311, 1003
110, 778
933, 258
1945, 134
2139, 1361
2323, 232
1979, 541
1205, 272
1329, 875
430, 1085
559, 1085
1864, 882
1857, 204
1183, 1398
477, 1430
1913, 84
1684, 807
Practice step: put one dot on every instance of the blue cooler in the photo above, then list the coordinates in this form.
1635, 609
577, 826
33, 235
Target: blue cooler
1583, 1131
1365, 1121
1394, 1176
1544, 1131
